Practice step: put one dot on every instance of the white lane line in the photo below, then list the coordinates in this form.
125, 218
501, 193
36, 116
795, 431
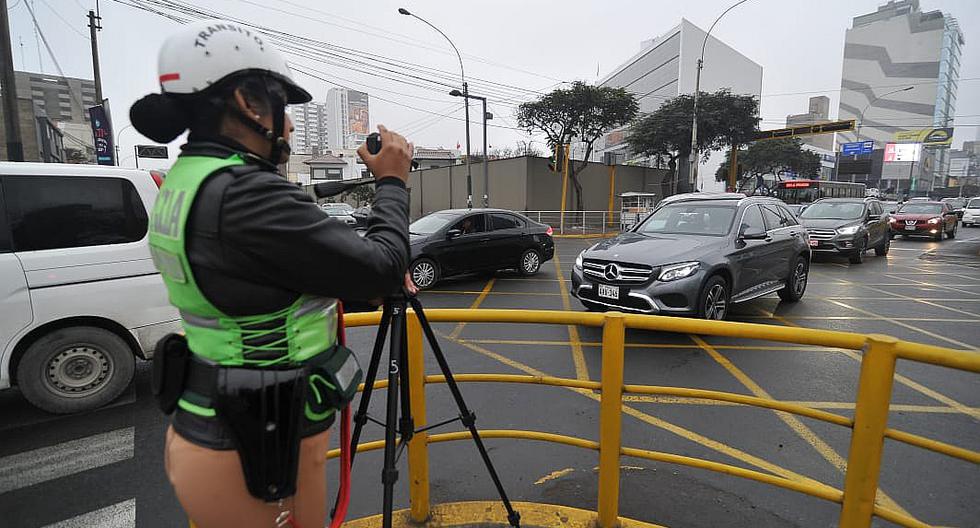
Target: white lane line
67, 458
119, 515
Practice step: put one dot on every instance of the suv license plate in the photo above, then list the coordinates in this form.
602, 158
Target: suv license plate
609, 292
910, 228
814, 243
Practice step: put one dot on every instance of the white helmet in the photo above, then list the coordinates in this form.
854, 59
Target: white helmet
204, 53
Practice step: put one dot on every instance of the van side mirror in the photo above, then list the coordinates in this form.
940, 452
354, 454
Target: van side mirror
453, 233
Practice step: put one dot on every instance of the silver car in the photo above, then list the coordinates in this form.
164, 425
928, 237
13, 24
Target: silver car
695, 255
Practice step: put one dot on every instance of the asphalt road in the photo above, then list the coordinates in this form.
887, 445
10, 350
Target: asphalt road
105, 468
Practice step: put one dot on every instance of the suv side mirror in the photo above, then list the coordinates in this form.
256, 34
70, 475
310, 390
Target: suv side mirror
453, 233
752, 234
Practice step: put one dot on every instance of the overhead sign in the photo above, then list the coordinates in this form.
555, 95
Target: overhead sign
858, 147
102, 135
806, 130
902, 151
151, 151
927, 136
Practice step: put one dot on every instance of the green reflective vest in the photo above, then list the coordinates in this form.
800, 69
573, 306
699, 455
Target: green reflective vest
305, 328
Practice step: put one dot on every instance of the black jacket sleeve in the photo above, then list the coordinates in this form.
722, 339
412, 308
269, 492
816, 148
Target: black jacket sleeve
280, 227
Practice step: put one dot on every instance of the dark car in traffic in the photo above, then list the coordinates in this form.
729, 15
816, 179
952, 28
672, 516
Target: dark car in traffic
458, 241
696, 255
925, 218
957, 204
848, 227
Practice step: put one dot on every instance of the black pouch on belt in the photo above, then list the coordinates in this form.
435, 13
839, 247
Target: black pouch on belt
170, 361
262, 410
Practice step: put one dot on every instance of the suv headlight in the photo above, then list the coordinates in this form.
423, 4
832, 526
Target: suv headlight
679, 271
849, 230
578, 260
933, 221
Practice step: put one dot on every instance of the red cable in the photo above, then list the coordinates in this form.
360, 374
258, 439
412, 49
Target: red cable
343, 493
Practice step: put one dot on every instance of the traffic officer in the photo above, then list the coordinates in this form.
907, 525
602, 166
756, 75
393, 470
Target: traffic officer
255, 269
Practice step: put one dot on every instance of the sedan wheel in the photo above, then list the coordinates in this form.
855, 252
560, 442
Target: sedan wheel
424, 273
530, 262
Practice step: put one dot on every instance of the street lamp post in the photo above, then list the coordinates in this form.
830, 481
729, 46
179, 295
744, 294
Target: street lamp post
466, 101
118, 135
857, 130
697, 95
486, 170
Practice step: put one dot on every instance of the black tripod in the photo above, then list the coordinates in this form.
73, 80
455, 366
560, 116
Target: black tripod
393, 316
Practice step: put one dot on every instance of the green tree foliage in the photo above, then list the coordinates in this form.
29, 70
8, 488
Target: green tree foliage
774, 156
360, 195
581, 112
724, 120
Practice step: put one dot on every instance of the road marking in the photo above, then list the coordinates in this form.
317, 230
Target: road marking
904, 325
908, 382
476, 304
578, 357
906, 297
825, 405
855, 318
794, 423
950, 288
919, 273
119, 515
687, 434
553, 475
67, 458
470, 292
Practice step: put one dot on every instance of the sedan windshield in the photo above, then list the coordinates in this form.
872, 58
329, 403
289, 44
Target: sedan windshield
431, 223
833, 211
690, 219
921, 208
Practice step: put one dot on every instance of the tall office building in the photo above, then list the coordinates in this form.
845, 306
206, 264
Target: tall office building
896, 47
64, 102
347, 114
818, 112
311, 129
665, 67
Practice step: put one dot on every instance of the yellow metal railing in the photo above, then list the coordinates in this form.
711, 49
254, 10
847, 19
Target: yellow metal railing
869, 425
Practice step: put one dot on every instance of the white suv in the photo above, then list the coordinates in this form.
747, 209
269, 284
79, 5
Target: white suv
971, 212
79, 295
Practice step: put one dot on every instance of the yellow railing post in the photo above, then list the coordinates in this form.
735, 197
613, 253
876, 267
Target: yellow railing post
610, 418
418, 446
867, 440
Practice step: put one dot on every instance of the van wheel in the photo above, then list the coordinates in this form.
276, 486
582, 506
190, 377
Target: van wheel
75, 369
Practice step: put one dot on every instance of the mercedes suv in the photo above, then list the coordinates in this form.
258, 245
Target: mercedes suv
847, 226
696, 254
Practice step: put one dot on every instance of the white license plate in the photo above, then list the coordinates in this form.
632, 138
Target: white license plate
910, 228
609, 292
814, 243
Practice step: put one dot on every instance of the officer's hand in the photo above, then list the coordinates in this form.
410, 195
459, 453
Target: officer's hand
410, 286
395, 158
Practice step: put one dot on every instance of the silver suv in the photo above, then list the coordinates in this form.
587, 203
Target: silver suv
695, 255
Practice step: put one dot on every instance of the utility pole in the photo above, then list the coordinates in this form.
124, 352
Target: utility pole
94, 25
15, 148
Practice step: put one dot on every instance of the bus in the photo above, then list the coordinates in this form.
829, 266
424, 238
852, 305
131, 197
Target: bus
809, 191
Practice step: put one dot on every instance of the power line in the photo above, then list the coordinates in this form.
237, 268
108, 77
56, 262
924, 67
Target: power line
71, 27
51, 53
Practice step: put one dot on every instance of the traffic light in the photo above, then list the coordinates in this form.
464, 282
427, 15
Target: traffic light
553, 162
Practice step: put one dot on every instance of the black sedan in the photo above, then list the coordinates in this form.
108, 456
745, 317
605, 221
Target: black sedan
459, 241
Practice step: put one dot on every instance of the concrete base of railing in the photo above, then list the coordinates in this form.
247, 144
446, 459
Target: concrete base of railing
488, 513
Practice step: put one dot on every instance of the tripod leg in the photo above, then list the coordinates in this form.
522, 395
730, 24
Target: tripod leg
388, 473
406, 424
466, 416
360, 417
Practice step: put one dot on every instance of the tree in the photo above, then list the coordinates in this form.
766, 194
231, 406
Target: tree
582, 112
774, 156
527, 148
362, 194
724, 120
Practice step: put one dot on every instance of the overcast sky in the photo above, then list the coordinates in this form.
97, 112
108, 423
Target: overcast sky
525, 45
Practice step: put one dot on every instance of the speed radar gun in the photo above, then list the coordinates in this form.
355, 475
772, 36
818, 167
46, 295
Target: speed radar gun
403, 426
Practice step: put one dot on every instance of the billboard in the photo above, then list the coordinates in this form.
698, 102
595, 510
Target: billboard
102, 136
357, 112
927, 136
902, 151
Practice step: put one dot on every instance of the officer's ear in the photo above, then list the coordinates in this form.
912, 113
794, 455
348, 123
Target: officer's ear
247, 106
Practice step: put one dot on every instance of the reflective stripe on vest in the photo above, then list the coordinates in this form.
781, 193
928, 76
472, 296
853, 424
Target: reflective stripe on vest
307, 327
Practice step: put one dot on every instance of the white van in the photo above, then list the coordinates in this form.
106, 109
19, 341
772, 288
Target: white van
971, 212
80, 299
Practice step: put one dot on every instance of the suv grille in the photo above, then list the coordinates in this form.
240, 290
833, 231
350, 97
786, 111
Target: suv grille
821, 234
617, 272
